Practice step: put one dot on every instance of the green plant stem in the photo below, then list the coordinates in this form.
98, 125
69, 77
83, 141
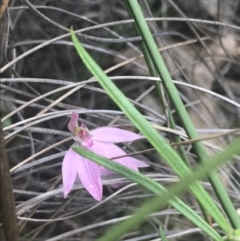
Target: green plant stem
162, 234
153, 186
159, 89
161, 200
181, 111
161, 146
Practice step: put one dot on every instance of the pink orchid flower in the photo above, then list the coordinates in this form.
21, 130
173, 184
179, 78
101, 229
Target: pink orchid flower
100, 141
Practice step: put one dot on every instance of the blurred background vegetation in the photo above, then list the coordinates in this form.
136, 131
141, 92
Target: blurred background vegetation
207, 57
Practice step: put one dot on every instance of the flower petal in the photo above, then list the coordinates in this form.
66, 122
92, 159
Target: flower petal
73, 123
106, 149
137, 162
110, 150
89, 174
69, 170
122, 161
115, 135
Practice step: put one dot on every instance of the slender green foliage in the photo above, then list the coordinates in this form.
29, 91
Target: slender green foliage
154, 187
180, 109
158, 142
162, 234
163, 197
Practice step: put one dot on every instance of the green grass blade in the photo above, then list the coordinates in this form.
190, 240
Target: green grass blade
158, 86
160, 93
164, 197
235, 236
180, 109
154, 187
162, 234
158, 142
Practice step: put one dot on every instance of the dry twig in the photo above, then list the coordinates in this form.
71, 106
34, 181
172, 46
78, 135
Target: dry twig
7, 201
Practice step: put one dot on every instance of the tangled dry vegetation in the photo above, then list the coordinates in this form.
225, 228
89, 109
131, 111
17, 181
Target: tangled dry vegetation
199, 41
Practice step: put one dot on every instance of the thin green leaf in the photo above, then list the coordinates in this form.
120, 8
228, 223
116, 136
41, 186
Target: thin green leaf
158, 142
162, 234
153, 186
180, 109
160, 201
162, 98
235, 236
163, 197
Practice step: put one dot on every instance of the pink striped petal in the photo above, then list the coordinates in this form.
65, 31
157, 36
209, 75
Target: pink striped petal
115, 135
69, 170
73, 123
89, 174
